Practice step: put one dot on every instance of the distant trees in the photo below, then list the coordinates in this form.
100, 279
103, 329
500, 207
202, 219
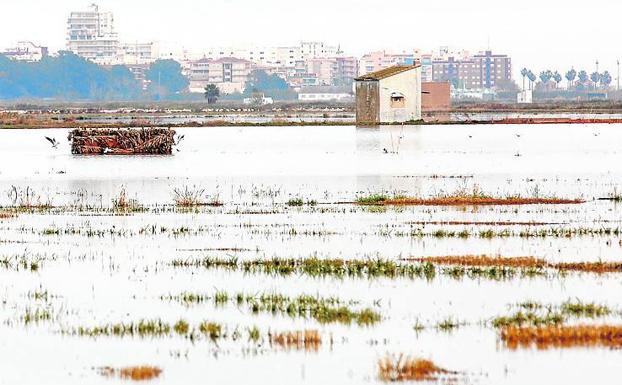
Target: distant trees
605, 78
67, 77
571, 76
524, 72
212, 93
269, 84
595, 78
532, 78
557, 77
165, 78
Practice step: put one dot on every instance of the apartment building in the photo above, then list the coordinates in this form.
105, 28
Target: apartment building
25, 51
278, 56
333, 71
379, 60
139, 53
91, 34
480, 71
229, 74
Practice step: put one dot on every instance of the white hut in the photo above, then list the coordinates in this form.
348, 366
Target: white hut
391, 95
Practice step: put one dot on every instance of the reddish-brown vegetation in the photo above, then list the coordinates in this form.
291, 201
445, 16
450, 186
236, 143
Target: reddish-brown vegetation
592, 267
483, 260
475, 201
309, 340
522, 262
402, 368
562, 336
134, 373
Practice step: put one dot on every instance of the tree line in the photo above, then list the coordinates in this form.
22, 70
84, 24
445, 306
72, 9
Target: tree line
67, 76
578, 80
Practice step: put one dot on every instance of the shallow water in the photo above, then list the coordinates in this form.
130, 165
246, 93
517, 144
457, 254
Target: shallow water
116, 270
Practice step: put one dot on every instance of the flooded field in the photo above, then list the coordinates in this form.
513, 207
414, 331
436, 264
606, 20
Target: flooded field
315, 255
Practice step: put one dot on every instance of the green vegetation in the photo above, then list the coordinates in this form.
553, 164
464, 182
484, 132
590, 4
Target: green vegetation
316, 267
323, 310
372, 199
533, 314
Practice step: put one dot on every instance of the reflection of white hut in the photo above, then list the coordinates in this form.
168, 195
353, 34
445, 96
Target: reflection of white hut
391, 95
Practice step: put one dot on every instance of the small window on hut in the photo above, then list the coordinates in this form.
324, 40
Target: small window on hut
397, 100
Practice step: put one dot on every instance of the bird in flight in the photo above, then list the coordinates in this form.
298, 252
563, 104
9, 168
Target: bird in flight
53, 141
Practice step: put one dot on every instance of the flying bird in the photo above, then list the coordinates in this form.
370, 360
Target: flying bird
53, 141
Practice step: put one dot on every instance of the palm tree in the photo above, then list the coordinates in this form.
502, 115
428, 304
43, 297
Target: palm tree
212, 93
558, 78
583, 77
532, 78
524, 72
595, 77
605, 79
545, 76
571, 76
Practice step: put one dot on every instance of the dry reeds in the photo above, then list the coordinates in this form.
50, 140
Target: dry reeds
134, 373
309, 340
548, 337
472, 201
522, 262
591, 267
156, 141
483, 260
404, 368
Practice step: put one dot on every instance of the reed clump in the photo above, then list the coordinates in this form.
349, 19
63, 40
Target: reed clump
550, 337
403, 368
121, 202
308, 340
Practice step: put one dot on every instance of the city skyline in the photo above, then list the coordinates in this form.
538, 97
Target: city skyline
538, 48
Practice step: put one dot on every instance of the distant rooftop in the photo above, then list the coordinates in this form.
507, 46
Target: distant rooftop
387, 72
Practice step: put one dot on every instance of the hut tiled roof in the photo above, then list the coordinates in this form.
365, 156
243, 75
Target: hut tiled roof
387, 72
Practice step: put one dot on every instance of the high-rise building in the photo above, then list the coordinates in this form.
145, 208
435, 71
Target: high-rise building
91, 34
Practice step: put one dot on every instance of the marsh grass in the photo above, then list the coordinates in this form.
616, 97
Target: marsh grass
22, 262
532, 314
27, 199
122, 203
314, 267
323, 310
529, 263
36, 316
191, 197
402, 368
463, 197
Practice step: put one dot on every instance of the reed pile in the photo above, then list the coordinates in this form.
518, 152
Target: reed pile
145, 141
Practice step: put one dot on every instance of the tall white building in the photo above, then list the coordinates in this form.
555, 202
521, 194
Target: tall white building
91, 34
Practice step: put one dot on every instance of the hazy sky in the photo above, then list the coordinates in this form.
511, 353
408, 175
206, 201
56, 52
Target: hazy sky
537, 33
